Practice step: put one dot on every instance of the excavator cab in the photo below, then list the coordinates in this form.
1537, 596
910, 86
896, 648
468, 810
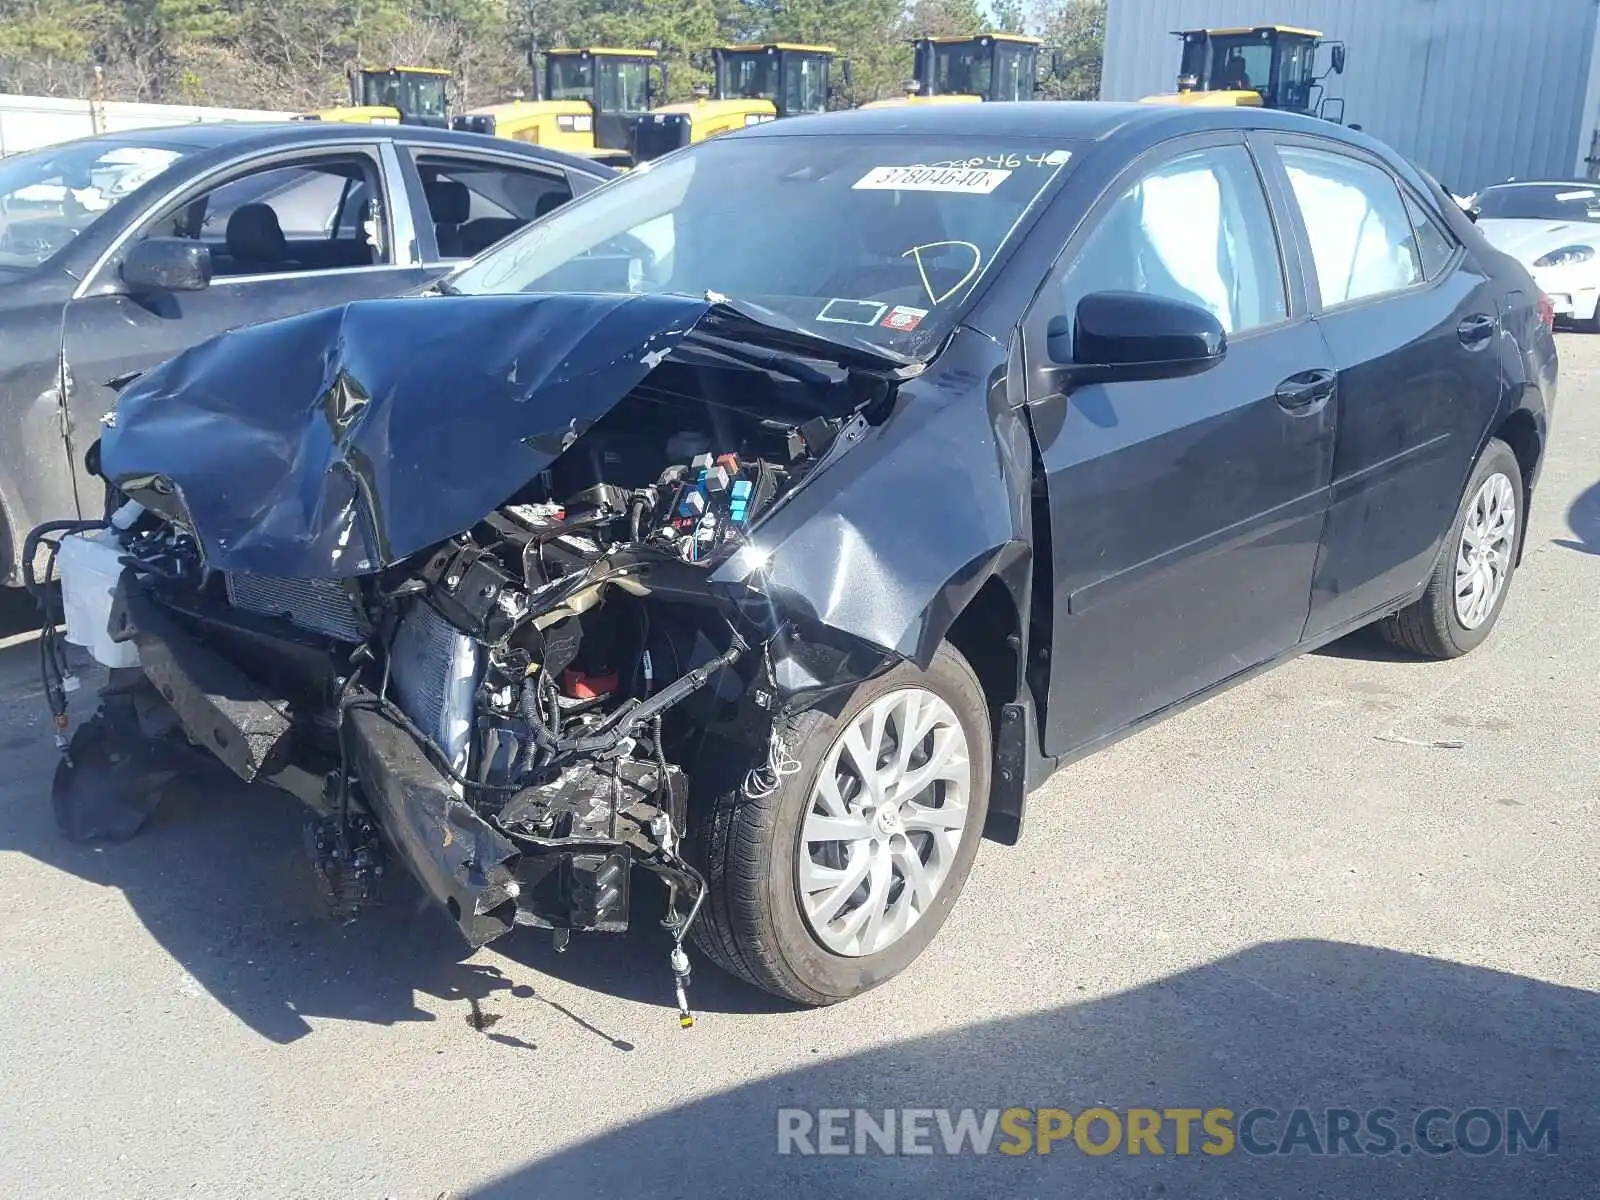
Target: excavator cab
751, 84
957, 70
585, 102
393, 96
793, 78
418, 94
1265, 66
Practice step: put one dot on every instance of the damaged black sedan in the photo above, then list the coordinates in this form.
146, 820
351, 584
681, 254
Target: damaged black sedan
766, 524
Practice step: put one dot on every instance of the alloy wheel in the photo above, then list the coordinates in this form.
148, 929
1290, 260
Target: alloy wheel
884, 822
1483, 559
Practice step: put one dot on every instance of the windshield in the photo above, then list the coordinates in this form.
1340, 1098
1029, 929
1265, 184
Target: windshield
624, 85
863, 239
1540, 202
49, 196
748, 75
1240, 63
569, 77
1296, 72
1014, 71
805, 84
414, 95
962, 69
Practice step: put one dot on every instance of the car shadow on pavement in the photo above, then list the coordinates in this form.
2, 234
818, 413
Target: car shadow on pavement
1365, 645
221, 878
1583, 518
1283, 1025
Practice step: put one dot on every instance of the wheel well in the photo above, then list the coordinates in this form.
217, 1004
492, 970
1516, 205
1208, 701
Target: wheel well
1520, 433
989, 637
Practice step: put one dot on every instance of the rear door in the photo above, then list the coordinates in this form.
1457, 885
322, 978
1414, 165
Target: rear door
1411, 323
470, 202
287, 232
1184, 514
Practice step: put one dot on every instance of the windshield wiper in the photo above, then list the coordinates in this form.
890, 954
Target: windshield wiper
743, 319
767, 358
442, 287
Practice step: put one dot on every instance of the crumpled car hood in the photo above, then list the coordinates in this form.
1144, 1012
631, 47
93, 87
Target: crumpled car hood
339, 442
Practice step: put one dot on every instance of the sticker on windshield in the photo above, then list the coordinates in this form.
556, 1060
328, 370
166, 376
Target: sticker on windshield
931, 179
852, 312
903, 318
1588, 195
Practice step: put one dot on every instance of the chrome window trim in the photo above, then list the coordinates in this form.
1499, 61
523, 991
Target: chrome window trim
272, 276
404, 251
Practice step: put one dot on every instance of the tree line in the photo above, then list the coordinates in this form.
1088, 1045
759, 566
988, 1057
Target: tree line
293, 54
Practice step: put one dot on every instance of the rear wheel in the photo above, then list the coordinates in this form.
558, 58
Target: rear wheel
835, 880
1469, 584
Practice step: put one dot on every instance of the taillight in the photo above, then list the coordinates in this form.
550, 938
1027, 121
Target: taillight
1547, 311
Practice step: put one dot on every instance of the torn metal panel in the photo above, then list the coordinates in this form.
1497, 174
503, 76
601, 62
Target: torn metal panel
464, 864
336, 443
219, 705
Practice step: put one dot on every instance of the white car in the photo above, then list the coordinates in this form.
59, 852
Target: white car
1553, 229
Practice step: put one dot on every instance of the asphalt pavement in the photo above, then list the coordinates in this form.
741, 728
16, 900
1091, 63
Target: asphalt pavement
1359, 882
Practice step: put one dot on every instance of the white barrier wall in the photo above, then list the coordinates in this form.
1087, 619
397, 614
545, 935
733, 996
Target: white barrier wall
27, 122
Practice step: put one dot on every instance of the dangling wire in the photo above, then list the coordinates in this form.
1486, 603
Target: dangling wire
764, 779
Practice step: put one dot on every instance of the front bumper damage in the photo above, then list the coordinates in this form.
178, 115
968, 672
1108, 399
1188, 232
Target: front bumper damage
187, 706
500, 641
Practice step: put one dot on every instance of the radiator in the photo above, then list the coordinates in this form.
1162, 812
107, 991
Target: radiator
435, 676
320, 605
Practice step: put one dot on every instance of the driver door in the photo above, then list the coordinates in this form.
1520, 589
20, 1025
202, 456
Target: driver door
286, 233
1184, 514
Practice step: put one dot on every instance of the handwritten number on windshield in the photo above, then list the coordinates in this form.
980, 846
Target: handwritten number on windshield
916, 253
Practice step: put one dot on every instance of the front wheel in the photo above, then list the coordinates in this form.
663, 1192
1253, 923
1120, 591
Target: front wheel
1469, 584
836, 879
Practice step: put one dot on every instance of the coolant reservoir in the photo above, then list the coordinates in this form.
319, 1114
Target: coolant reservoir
89, 568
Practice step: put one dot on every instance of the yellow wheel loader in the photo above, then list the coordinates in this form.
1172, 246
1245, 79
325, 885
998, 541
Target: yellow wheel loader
967, 70
393, 96
1262, 66
752, 84
585, 102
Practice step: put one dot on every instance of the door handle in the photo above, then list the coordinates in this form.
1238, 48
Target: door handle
1476, 331
1302, 392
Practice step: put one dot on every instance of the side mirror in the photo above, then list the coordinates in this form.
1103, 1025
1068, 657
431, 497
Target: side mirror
1472, 214
167, 264
1338, 58
1134, 335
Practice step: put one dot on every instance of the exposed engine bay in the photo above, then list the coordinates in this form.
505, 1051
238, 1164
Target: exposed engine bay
519, 709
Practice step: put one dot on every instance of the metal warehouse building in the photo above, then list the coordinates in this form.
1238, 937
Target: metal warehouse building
1475, 91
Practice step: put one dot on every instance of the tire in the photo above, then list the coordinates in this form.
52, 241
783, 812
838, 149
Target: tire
755, 923
1434, 626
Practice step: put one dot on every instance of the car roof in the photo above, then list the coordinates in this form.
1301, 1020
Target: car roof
1068, 120
1560, 183
253, 135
